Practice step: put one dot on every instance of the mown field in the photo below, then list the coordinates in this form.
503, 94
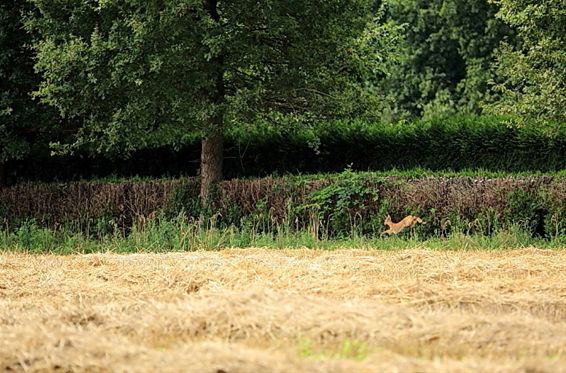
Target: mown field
260, 310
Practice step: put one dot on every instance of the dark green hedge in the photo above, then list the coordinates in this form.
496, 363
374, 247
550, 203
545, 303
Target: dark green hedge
455, 143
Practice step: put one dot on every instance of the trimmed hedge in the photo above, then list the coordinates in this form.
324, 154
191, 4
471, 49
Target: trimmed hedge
455, 143
333, 205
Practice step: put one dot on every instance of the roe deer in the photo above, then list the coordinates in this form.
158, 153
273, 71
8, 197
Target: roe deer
408, 222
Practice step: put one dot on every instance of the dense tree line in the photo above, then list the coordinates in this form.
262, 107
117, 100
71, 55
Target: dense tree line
22, 120
116, 76
448, 60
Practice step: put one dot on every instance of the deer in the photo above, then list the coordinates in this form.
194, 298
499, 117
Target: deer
407, 222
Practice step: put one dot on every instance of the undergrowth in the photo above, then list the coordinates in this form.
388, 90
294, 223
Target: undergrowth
184, 234
341, 206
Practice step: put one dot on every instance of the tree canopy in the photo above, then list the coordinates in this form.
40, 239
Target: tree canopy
135, 72
532, 75
128, 67
116, 76
448, 60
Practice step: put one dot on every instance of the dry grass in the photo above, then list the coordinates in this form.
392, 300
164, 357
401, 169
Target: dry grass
285, 311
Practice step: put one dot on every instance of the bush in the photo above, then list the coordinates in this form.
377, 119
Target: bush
328, 206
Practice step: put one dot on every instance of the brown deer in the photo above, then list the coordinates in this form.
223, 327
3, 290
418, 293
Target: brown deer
407, 222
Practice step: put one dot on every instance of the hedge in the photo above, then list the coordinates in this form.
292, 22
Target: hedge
455, 143
333, 205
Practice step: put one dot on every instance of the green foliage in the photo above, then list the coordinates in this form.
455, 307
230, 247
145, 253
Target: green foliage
130, 74
33, 238
343, 207
181, 234
136, 73
29, 237
348, 349
183, 200
491, 143
532, 75
555, 219
527, 210
25, 125
450, 46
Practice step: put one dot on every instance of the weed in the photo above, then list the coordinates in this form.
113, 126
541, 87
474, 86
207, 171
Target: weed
350, 349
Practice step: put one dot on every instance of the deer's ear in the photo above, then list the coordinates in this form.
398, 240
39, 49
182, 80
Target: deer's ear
388, 216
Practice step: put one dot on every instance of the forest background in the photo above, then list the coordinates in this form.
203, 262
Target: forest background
117, 89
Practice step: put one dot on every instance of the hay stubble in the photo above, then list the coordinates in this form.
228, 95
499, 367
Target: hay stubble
250, 311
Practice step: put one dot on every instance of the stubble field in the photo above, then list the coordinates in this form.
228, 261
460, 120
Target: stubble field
259, 310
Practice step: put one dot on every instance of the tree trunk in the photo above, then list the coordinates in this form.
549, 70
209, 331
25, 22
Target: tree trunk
212, 151
211, 160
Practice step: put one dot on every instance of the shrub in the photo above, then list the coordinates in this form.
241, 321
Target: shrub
328, 206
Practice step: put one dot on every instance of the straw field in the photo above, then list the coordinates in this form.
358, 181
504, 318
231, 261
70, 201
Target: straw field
285, 311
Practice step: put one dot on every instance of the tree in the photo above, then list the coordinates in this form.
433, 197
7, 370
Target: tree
137, 72
450, 48
532, 75
24, 122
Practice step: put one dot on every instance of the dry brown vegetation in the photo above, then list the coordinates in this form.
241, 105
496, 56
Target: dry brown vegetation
285, 311
54, 204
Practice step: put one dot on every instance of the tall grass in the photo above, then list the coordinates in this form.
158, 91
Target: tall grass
184, 234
